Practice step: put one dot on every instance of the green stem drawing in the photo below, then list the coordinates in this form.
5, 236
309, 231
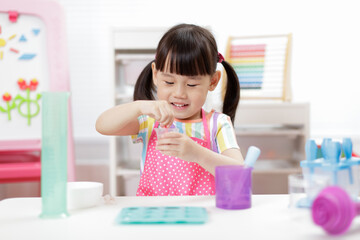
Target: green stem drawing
9, 107
8, 112
28, 102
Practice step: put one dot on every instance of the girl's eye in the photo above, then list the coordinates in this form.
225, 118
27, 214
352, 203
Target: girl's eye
169, 82
192, 85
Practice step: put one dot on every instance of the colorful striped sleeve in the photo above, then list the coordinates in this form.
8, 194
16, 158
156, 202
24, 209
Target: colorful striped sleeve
146, 126
225, 136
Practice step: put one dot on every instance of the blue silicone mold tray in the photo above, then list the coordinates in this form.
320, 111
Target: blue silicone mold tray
162, 215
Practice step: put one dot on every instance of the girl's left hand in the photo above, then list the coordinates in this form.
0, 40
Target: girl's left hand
179, 145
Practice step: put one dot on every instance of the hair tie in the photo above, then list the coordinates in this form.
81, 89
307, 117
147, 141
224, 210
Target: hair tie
220, 58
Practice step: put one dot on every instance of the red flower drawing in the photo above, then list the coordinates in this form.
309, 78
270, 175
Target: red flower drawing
22, 84
31, 86
6, 97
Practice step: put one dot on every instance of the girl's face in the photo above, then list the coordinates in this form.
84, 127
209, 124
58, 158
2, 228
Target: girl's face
186, 94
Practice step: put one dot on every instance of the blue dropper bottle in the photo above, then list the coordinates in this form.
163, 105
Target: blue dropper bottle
251, 156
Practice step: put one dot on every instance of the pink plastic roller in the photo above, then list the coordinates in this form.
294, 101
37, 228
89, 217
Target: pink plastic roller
334, 210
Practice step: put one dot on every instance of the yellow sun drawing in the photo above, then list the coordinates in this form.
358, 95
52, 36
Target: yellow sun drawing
3, 44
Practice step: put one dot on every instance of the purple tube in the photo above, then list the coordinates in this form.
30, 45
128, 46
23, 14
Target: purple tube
233, 187
334, 210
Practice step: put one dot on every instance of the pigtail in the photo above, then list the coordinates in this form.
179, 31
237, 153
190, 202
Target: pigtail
144, 87
232, 94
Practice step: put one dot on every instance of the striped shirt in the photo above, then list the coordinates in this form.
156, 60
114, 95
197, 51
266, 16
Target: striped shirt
222, 134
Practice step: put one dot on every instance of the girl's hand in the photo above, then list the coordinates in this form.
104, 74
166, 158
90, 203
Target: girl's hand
179, 145
160, 110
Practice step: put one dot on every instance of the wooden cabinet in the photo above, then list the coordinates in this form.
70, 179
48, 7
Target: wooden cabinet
270, 126
280, 130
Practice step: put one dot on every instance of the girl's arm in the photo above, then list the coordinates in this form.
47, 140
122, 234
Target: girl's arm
209, 159
181, 146
122, 119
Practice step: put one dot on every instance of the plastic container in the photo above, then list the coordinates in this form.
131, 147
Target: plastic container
297, 193
54, 154
303, 189
83, 194
161, 131
345, 176
354, 176
330, 170
233, 187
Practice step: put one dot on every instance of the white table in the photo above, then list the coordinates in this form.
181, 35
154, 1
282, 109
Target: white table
269, 218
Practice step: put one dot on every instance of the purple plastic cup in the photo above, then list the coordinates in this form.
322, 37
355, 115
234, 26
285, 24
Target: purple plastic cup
334, 210
233, 187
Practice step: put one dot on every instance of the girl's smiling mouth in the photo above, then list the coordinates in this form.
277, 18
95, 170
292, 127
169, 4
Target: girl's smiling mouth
179, 105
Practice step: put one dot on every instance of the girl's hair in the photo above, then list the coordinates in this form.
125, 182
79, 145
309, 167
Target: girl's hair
189, 50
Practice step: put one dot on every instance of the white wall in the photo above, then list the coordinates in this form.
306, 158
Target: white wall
325, 60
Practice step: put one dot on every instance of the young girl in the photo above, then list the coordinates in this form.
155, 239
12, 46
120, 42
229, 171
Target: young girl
184, 70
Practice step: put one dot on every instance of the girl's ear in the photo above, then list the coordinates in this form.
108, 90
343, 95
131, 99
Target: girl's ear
154, 73
215, 80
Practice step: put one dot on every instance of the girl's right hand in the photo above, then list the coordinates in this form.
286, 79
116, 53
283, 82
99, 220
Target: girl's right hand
160, 110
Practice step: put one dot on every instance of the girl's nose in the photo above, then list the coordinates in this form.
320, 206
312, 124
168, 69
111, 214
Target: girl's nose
180, 91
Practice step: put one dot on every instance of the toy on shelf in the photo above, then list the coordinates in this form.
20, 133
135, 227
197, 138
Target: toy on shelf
262, 65
331, 168
334, 210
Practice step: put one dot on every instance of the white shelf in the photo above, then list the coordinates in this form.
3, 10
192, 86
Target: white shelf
132, 57
133, 49
269, 132
279, 129
127, 172
289, 133
137, 38
124, 97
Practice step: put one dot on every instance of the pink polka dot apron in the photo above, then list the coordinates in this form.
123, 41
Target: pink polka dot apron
165, 175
